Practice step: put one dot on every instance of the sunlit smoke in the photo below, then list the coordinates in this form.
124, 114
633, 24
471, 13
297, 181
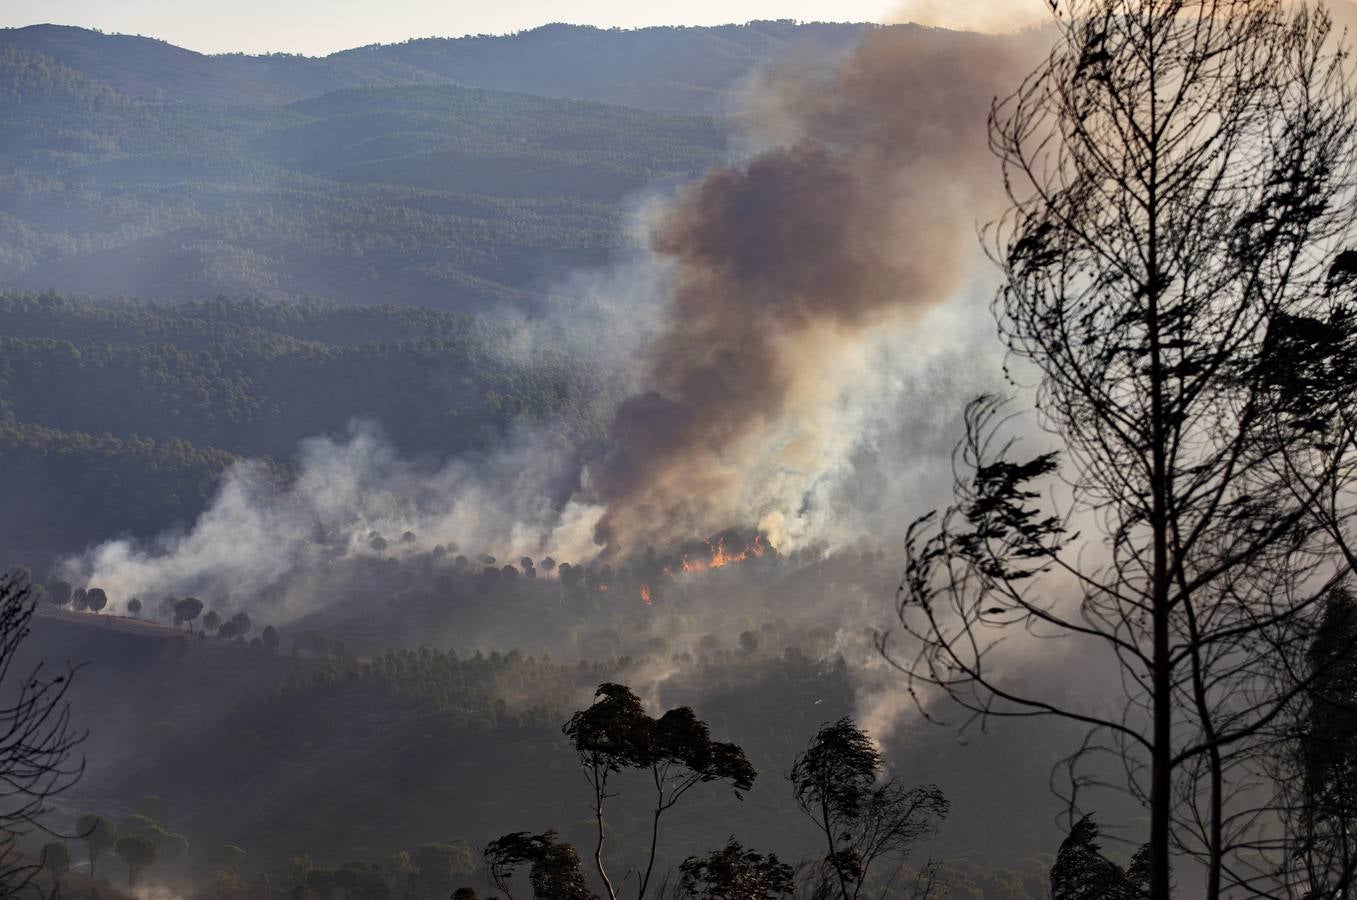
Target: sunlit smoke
352, 497
860, 215
990, 16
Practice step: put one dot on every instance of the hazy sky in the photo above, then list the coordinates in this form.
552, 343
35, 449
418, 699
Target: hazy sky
322, 26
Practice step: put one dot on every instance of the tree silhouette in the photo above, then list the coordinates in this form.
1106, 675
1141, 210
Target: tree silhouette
37, 743
734, 873
554, 865
187, 610
682, 755
1174, 274
1081, 872
615, 733
612, 734
1317, 769
134, 607
99, 834
837, 782
138, 852
56, 858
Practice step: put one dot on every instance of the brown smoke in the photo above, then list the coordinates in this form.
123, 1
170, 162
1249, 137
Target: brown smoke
864, 212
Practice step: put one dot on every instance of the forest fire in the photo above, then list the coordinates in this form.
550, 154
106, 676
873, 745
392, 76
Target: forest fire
645, 594
721, 557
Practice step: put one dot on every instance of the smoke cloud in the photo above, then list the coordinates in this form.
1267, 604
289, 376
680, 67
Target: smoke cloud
799, 368
992, 16
354, 497
859, 214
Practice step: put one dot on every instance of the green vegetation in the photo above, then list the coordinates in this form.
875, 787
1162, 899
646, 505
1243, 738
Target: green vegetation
660, 68
447, 196
120, 416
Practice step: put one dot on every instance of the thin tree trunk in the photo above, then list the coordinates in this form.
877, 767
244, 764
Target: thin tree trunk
829, 836
1161, 784
599, 787
654, 842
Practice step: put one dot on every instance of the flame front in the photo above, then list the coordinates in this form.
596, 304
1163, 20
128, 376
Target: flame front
645, 594
721, 557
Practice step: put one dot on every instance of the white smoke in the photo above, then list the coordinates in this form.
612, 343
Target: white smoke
352, 497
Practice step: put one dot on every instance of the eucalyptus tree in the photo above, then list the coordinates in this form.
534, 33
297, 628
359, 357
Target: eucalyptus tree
676, 750
864, 818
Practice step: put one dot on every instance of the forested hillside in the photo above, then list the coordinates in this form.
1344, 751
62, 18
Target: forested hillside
463, 174
442, 196
683, 70
119, 416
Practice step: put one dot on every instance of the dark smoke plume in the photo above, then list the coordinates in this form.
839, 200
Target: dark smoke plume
863, 213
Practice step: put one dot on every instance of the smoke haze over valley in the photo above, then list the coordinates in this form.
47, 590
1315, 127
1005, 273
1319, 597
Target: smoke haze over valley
367, 418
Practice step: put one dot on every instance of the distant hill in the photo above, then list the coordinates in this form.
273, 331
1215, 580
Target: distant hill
143, 68
439, 195
680, 70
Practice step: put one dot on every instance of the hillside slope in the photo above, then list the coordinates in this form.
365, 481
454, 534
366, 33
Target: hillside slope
682, 70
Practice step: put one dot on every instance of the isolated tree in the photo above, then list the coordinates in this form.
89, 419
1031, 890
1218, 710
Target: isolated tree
1175, 278
211, 620
734, 873
616, 733
548, 565
241, 624
134, 607
270, 637
837, 782
187, 610
749, 641
60, 592
682, 755
56, 858
137, 852
613, 734
99, 834
96, 599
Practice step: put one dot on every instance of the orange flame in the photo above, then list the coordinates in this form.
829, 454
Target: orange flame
721, 557
645, 595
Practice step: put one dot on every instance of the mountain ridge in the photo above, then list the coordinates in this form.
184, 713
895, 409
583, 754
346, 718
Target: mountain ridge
675, 70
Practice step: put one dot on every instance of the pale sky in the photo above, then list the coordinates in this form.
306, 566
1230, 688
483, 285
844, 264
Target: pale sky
316, 27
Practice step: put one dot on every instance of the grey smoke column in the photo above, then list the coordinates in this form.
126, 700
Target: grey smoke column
863, 212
